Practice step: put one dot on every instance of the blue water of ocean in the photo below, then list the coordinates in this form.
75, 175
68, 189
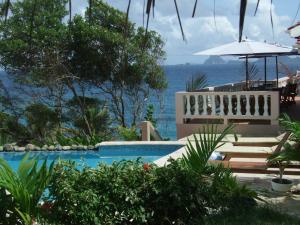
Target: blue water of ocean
178, 75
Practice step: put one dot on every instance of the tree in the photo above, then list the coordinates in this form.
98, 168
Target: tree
42, 122
98, 55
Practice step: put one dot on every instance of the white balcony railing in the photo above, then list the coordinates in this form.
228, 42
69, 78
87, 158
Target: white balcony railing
248, 105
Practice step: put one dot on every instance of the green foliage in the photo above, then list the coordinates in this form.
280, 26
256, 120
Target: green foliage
225, 189
94, 122
106, 195
199, 151
26, 186
291, 150
128, 134
228, 192
129, 192
262, 215
290, 125
150, 115
80, 139
197, 82
283, 158
12, 130
118, 61
42, 122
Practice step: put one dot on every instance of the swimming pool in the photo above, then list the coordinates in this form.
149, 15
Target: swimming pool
105, 154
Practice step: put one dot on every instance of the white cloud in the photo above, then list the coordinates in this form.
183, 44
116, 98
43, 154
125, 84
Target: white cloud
201, 32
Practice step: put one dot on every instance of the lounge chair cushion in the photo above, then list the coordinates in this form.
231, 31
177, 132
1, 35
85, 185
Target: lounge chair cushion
216, 156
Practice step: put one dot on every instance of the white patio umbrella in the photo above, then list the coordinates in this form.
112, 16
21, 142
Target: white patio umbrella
250, 49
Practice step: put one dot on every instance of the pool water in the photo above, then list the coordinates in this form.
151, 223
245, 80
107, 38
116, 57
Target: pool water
105, 154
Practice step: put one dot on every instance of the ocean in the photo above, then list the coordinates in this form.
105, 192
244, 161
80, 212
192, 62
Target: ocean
178, 75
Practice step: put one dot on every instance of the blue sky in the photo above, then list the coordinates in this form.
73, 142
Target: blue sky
201, 31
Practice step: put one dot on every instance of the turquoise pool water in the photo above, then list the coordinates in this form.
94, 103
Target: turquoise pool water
105, 154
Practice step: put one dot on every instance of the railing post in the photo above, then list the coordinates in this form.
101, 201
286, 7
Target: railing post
265, 105
196, 105
256, 107
248, 113
204, 105
238, 107
179, 108
213, 104
229, 105
183, 106
275, 107
221, 105
188, 105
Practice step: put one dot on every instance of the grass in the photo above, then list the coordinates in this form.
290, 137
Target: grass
253, 216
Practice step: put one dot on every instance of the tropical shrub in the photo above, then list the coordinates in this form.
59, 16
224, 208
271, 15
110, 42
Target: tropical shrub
227, 191
150, 115
106, 195
22, 190
130, 192
199, 152
41, 122
128, 134
292, 126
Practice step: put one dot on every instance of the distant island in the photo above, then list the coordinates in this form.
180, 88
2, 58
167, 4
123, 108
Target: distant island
213, 60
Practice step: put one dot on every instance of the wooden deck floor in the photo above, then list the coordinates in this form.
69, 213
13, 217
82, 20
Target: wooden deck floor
292, 110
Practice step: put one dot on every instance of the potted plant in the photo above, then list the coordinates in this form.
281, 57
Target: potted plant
291, 152
282, 159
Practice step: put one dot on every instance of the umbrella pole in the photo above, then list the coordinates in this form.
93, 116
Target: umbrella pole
265, 71
276, 71
247, 74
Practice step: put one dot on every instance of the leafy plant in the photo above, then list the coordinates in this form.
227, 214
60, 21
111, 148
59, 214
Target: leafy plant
133, 192
283, 158
292, 126
150, 115
199, 151
128, 192
41, 122
128, 134
26, 186
197, 82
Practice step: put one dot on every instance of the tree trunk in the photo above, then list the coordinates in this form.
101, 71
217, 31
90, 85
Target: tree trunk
81, 107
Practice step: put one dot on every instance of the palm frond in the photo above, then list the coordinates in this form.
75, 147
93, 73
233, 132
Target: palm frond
195, 7
127, 11
27, 184
5, 9
148, 11
243, 8
70, 11
215, 15
296, 15
291, 126
271, 17
197, 82
179, 20
90, 9
199, 151
256, 8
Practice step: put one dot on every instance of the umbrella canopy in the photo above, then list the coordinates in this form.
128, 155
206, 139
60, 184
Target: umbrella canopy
248, 47
251, 49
